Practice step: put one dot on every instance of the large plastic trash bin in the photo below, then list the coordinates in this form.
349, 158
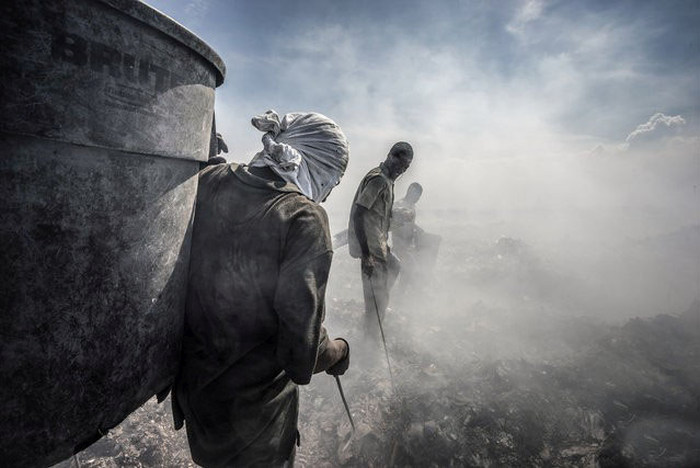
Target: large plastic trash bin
106, 110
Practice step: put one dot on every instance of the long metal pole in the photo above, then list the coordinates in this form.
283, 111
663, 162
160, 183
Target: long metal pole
381, 330
345, 402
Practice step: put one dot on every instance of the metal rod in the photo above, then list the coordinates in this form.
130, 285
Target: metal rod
381, 330
345, 402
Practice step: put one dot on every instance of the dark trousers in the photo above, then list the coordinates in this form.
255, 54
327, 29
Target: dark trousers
218, 439
376, 291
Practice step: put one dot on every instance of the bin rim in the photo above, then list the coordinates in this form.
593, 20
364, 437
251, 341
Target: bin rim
168, 26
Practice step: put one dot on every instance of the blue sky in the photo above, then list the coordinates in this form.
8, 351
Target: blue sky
509, 104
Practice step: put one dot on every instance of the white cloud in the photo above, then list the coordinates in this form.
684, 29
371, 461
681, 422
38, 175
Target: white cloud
490, 134
657, 124
530, 11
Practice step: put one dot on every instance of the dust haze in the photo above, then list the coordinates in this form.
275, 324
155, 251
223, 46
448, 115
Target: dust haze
558, 145
557, 326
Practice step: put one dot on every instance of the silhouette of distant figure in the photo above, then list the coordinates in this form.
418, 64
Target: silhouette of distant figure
416, 248
403, 221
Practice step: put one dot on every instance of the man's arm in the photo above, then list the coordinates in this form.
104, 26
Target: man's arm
299, 298
333, 355
359, 225
368, 260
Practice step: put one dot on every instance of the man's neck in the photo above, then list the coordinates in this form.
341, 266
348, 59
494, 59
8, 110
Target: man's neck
385, 170
265, 172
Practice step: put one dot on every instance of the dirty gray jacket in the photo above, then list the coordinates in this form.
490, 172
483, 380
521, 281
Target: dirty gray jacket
260, 259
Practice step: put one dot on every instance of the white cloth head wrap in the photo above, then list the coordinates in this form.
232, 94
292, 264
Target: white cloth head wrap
307, 149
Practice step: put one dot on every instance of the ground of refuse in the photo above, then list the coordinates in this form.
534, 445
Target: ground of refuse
494, 359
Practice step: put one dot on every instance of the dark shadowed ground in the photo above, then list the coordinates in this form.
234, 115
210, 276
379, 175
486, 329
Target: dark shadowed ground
509, 352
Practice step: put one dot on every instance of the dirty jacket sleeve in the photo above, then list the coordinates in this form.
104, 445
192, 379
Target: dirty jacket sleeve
299, 296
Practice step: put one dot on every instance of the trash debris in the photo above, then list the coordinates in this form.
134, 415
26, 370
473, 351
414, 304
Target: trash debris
575, 393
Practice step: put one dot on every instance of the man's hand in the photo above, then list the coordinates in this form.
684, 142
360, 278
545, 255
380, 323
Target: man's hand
221, 145
368, 264
342, 365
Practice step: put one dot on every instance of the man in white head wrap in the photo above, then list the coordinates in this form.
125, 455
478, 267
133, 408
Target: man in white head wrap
261, 254
307, 150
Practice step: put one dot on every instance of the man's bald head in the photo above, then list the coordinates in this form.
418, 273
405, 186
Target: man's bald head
399, 158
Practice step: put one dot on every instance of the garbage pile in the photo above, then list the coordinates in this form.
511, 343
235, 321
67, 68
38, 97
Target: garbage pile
630, 398
486, 372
